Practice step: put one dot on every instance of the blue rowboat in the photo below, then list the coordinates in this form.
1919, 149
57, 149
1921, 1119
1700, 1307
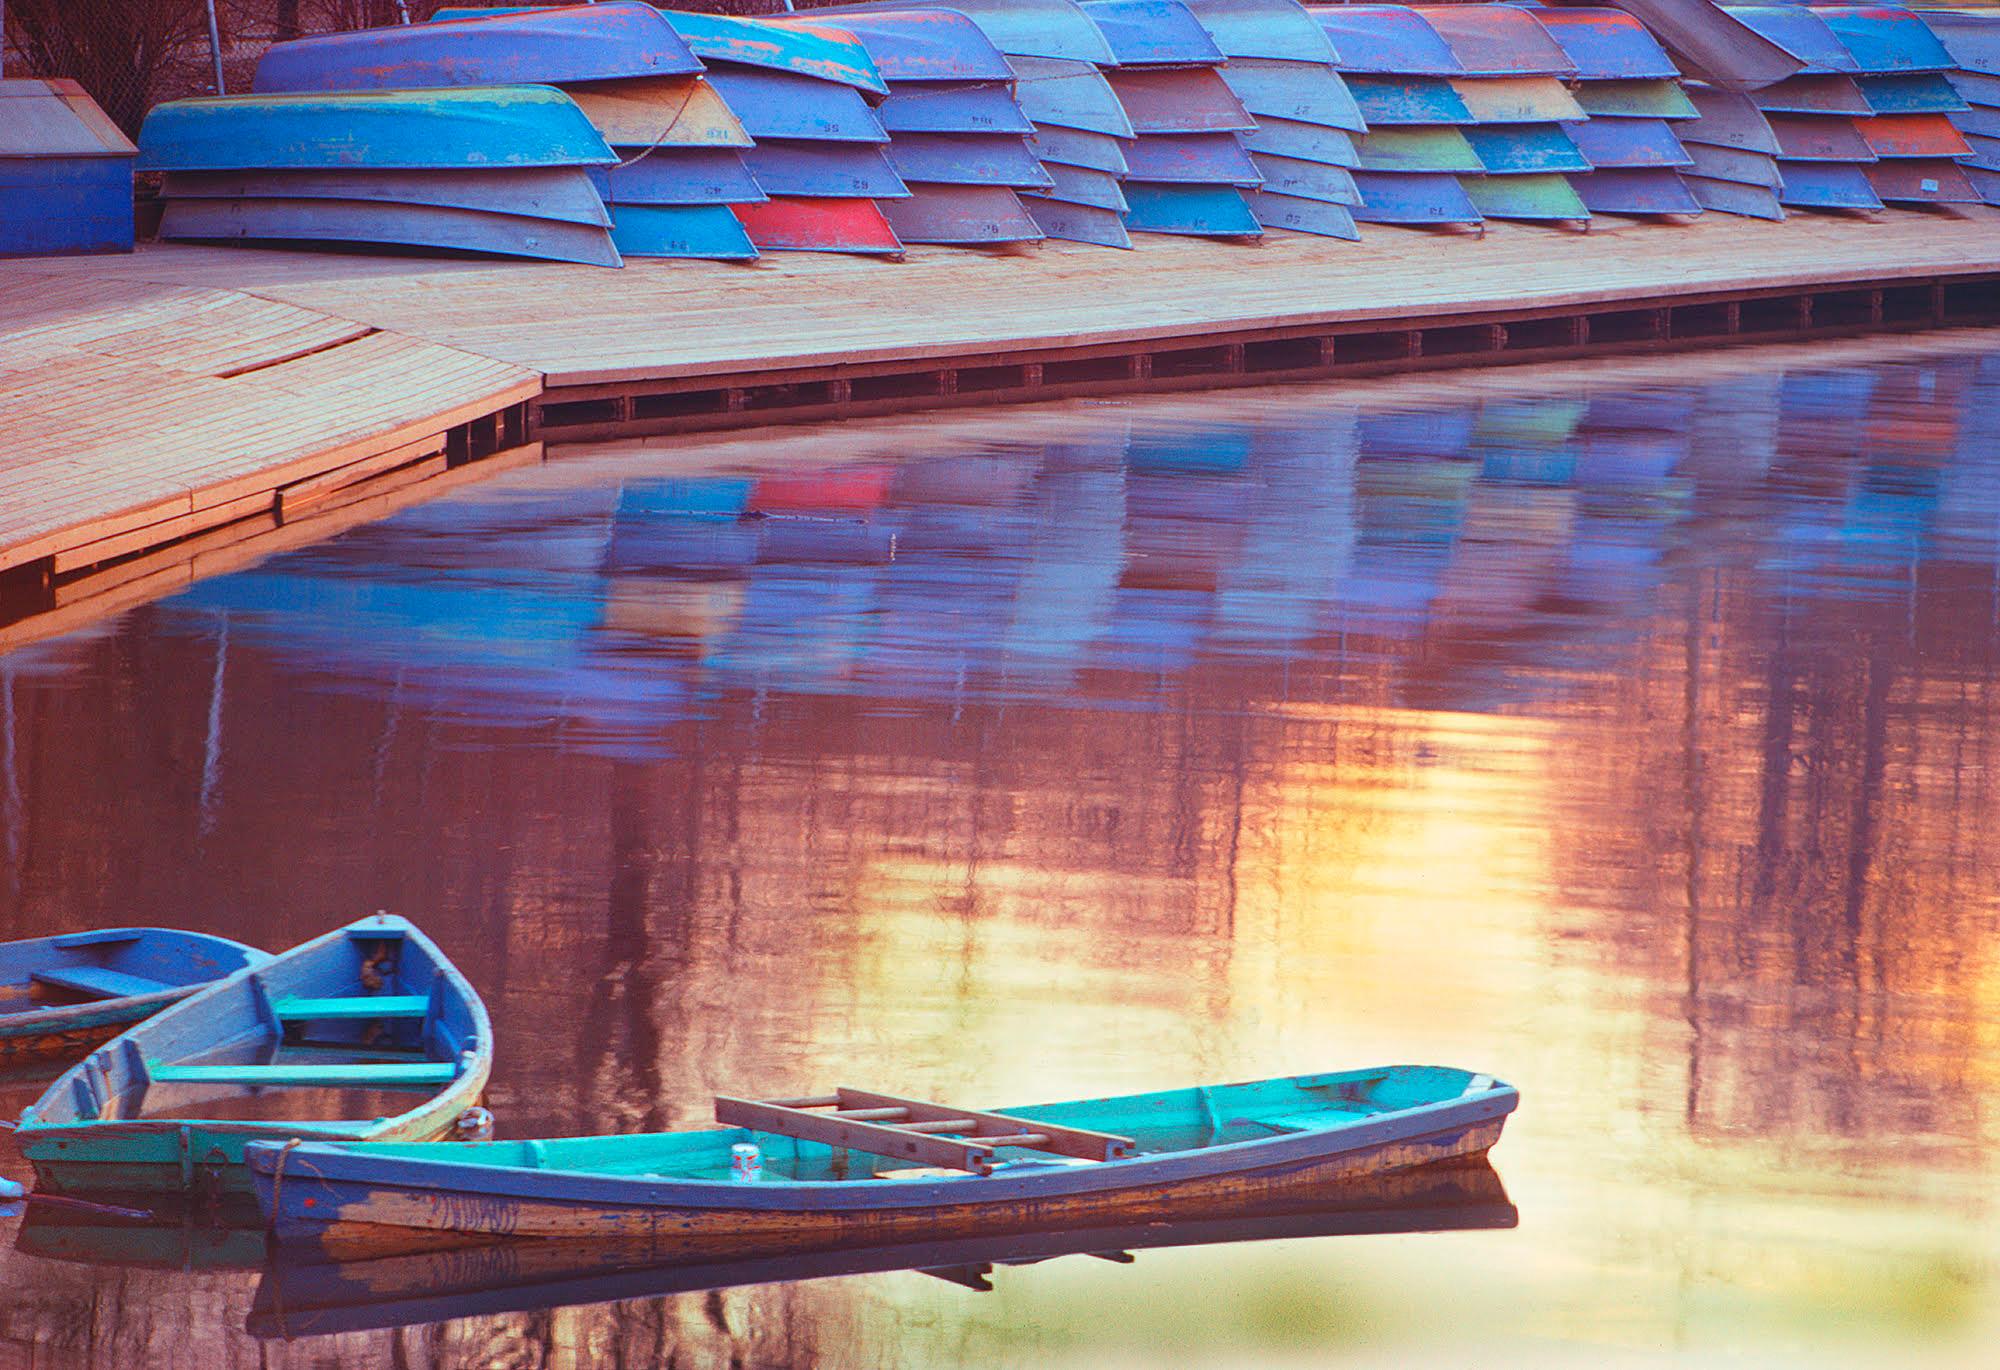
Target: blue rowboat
1541, 198
1517, 148
1713, 46
961, 216
1634, 100
1971, 40
1985, 153
1801, 32
1498, 40
1082, 186
1077, 223
1418, 199
1607, 45
665, 111
621, 38
1272, 30
1825, 185
1302, 91
1153, 33
966, 159
1304, 142
1191, 159
1385, 100
823, 171
1322, 218
60, 996
376, 223
1019, 28
1384, 40
786, 223
1728, 119
1416, 149
1067, 94
1178, 100
775, 104
1917, 181
1628, 143
1634, 191
831, 1177
1884, 40
1813, 95
1735, 197
809, 50
1983, 120
367, 1010
918, 45
1189, 211
564, 193
1976, 88
479, 127
1734, 164
301, 1296
709, 231
1819, 138
1073, 147
953, 109
679, 176
1306, 180
1924, 92
1517, 99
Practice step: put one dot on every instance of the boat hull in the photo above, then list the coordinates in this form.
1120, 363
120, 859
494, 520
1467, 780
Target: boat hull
350, 1218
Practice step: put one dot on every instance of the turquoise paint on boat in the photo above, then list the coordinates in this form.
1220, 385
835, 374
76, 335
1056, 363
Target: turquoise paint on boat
1189, 211
1264, 1137
480, 127
1511, 148
801, 47
120, 1121
710, 231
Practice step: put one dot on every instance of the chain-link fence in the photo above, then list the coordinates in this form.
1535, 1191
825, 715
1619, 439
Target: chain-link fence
132, 54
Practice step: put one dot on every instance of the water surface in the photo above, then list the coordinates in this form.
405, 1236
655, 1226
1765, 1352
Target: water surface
1622, 730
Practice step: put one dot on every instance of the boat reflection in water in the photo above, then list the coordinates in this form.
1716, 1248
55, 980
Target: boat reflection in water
302, 1298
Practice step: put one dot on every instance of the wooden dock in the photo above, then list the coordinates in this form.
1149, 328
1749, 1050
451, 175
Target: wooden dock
161, 396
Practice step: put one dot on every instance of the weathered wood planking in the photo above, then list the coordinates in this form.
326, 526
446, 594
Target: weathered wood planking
654, 319
138, 412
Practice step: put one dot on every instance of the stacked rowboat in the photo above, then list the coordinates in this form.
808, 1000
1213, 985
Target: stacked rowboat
592, 133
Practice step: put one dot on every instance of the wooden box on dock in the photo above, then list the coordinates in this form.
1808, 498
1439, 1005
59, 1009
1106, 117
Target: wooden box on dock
65, 172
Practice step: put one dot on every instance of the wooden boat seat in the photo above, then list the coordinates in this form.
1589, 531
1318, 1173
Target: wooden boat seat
914, 1129
367, 1074
364, 1007
98, 982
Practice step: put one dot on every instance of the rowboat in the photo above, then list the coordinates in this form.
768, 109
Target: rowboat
1153, 33
321, 221
1073, 147
1536, 197
564, 193
366, 1013
1813, 94
1923, 181
799, 48
711, 230
1639, 191
1278, 30
1385, 100
1497, 40
1628, 143
1082, 186
1302, 91
967, 108
1077, 223
301, 1296
1607, 45
1322, 218
976, 159
858, 1165
1639, 99
1303, 142
1069, 94
1712, 45
923, 45
1825, 185
1387, 40
1801, 32
1192, 159
1019, 28
609, 41
1196, 211
777, 104
1735, 197
824, 170
478, 127
1293, 178
1516, 99
954, 215
59, 996
1406, 197
802, 224
682, 177
1923, 92
1417, 148
1525, 148
1179, 100
1882, 39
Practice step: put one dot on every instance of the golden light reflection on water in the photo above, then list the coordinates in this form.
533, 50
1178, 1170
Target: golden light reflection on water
1631, 744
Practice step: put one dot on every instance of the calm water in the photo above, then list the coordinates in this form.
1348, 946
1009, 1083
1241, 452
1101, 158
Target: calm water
1626, 732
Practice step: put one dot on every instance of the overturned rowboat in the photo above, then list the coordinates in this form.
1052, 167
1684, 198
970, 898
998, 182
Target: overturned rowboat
856, 1165
60, 996
325, 1041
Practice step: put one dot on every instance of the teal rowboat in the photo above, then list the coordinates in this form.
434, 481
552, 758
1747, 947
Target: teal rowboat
480, 127
60, 996
856, 1166
342, 1028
